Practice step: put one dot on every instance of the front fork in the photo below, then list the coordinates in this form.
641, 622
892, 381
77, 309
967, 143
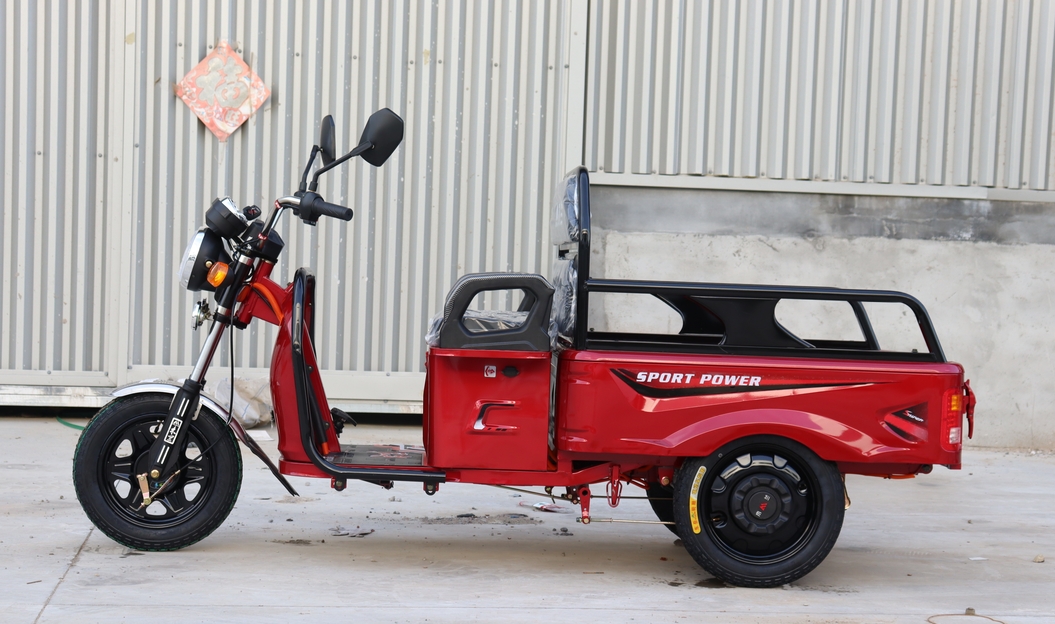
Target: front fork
184, 405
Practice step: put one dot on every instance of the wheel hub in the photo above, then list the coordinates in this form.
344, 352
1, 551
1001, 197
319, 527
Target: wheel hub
761, 504
140, 467
127, 455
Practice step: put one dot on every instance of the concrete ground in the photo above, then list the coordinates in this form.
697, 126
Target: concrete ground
910, 551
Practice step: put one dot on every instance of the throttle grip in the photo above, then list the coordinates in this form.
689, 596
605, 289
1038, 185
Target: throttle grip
313, 206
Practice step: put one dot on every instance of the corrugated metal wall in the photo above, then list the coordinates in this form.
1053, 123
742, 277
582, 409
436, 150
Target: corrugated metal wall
481, 86
54, 87
478, 85
921, 93
107, 174
466, 78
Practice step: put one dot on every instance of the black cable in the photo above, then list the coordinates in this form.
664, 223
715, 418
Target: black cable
230, 354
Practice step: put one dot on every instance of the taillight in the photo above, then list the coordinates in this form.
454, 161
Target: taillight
952, 420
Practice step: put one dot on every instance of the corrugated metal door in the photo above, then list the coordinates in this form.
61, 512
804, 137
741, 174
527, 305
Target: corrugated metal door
483, 88
937, 94
59, 77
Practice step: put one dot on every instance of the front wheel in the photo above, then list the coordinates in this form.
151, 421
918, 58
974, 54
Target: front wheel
759, 512
114, 449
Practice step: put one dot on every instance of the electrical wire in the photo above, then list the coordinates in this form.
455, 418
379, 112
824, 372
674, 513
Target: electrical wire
69, 424
230, 354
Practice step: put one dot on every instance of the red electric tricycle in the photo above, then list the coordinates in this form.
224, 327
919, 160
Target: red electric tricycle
737, 430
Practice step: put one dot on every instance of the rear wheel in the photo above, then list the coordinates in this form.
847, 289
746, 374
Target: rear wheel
661, 497
113, 450
759, 512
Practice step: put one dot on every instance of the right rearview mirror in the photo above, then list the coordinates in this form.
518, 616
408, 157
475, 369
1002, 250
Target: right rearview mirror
384, 131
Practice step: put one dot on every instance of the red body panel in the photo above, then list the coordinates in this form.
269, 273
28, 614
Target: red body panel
264, 299
656, 405
488, 409
283, 388
634, 411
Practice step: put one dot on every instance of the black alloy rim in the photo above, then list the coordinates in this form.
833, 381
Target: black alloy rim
761, 507
126, 455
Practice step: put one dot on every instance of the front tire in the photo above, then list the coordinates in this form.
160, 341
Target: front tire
759, 512
113, 449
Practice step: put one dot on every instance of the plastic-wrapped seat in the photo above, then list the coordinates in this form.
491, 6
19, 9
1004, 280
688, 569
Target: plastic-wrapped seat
526, 329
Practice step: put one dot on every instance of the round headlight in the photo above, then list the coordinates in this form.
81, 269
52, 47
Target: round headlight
205, 249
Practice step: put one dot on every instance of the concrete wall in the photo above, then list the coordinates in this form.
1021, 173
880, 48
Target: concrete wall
983, 269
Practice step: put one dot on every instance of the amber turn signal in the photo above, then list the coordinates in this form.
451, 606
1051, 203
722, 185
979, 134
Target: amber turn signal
955, 402
217, 274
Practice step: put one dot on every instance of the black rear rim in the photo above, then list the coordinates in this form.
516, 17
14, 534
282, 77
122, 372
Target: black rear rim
762, 506
126, 455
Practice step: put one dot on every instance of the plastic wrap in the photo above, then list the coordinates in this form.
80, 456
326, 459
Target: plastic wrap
564, 284
493, 320
252, 399
432, 336
486, 320
565, 224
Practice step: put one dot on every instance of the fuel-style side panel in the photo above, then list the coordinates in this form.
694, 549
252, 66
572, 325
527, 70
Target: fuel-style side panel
674, 405
487, 409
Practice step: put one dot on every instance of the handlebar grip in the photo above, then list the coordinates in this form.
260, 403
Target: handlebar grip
313, 206
336, 211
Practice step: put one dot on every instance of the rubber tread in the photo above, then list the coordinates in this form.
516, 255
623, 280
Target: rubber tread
92, 433
659, 497
713, 560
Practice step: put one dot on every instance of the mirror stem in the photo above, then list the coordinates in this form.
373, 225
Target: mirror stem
311, 160
359, 149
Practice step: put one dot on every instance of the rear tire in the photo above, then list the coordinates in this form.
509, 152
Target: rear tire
661, 497
759, 512
113, 449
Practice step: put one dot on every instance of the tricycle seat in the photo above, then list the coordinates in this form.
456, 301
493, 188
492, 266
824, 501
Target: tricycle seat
526, 329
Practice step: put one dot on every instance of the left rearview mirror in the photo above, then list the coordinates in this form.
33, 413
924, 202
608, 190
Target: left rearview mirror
327, 140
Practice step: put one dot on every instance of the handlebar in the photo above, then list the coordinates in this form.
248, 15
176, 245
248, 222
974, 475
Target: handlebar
309, 207
313, 205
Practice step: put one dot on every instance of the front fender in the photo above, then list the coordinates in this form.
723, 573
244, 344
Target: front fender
170, 387
207, 402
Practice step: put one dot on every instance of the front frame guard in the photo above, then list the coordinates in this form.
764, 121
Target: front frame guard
213, 405
308, 409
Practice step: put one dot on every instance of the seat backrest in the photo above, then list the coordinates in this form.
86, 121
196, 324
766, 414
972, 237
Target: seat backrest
498, 330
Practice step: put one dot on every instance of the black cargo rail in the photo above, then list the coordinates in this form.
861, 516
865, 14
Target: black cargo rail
747, 326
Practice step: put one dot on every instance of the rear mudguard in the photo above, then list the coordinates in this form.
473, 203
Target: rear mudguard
207, 402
